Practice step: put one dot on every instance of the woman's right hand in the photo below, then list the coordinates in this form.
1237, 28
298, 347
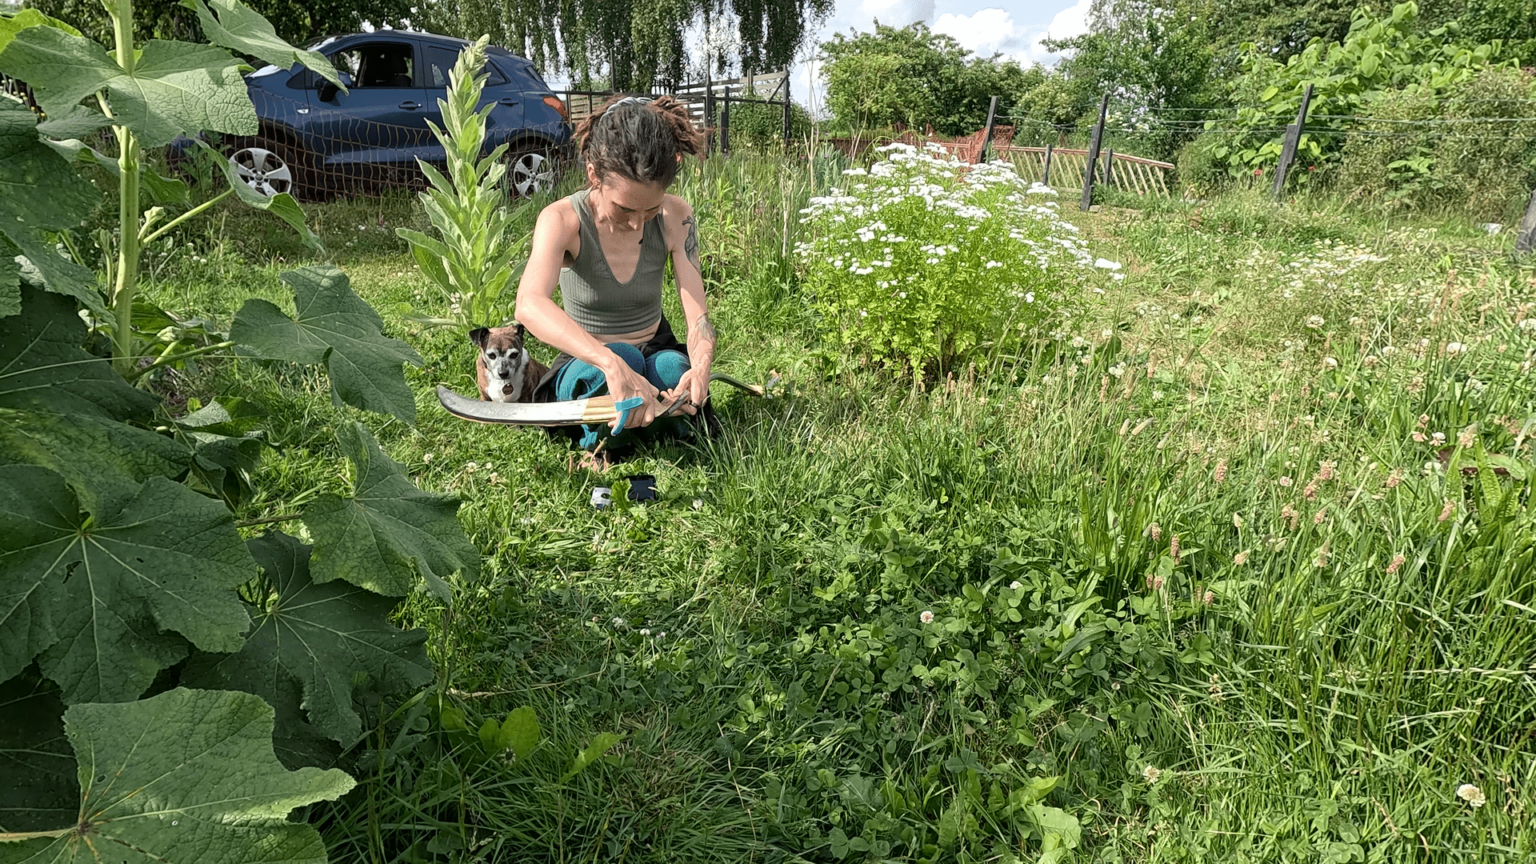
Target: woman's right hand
626, 383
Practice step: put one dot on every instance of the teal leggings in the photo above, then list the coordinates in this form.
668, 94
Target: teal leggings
578, 379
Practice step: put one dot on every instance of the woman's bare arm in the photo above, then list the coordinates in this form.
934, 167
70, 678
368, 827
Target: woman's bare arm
683, 243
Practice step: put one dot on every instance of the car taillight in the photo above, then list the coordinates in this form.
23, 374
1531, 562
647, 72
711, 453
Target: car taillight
559, 106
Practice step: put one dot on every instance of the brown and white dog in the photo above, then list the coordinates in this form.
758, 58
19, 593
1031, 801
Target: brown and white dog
504, 369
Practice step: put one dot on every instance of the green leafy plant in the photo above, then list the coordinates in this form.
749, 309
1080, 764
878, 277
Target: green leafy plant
920, 260
1383, 61
474, 261
118, 541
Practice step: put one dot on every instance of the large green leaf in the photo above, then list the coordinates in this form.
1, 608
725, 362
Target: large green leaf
333, 639
161, 189
61, 407
186, 777
242, 29
10, 279
388, 533
89, 592
335, 327
40, 192
176, 87
38, 789
282, 205
10, 26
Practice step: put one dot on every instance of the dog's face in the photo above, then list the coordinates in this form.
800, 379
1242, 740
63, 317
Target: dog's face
502, 358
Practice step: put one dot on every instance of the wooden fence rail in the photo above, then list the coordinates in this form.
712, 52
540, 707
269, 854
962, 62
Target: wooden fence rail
1069, 167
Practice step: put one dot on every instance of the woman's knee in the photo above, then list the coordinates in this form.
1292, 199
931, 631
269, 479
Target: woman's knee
665, 368
629, 354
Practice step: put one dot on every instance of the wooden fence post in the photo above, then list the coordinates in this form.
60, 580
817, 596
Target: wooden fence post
1525, 239
1093, 155
1109, 168
986, 137
725, 123
709, 114
1045, 180
786, 106
1292, 141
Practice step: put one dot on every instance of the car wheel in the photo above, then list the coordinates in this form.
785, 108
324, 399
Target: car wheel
270, 169
531, 171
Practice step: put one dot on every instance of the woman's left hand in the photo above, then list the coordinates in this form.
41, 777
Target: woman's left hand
693, 387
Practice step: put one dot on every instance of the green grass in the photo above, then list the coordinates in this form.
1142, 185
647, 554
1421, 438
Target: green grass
1318, 708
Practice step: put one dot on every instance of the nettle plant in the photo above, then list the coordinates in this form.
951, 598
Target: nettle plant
924, 259
122, 569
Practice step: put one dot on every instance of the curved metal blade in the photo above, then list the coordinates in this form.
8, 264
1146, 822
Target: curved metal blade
596, 409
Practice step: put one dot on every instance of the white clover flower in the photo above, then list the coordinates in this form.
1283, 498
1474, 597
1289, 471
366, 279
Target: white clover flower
1315, 322
1106, 264
1016, 585
1117, 370
618, 622
1471, 794
645, 631
1029, 297
1330, 362
1454, 348
1151, 774
926, 617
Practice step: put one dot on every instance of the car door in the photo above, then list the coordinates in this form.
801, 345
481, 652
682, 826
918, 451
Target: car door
438, 60
382, 119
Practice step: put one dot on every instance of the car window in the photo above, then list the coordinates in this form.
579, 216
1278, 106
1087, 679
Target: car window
376, 64
440, 60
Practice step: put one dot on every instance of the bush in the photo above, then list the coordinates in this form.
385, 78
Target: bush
756, 126
924, 259
1488, 160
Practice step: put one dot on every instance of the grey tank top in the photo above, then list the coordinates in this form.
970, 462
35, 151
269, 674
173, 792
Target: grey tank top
601, 303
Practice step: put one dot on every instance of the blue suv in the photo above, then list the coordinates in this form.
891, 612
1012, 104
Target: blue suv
316, 141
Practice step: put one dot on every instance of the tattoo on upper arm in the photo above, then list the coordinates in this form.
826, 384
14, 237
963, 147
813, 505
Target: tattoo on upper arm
691, 242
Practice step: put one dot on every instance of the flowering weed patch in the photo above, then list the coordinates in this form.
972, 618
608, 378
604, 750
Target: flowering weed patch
922, 259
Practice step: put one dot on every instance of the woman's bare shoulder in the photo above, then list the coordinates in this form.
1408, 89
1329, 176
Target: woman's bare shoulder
558, 222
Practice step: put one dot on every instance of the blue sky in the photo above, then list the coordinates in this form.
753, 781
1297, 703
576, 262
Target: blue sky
1013, 27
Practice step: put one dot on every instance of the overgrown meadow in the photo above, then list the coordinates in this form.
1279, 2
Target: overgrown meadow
1227, 559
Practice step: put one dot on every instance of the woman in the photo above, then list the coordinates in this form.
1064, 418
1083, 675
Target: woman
613, 238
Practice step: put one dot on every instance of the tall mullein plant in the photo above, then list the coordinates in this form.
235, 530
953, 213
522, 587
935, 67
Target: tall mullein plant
472, 263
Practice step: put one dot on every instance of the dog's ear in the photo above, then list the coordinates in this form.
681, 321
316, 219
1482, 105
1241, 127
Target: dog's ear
521, 330
479, 335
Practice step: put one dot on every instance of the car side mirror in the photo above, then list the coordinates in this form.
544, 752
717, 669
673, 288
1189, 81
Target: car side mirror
328, 91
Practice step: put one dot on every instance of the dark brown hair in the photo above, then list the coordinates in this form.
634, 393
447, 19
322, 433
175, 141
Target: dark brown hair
639, 138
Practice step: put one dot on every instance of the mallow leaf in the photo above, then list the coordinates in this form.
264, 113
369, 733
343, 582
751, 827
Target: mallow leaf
185, 777
175, 87
62, 408
388, 533
332, 639
332, 325
39, 191
38, 789
90, 592
10, 279
242, 29
13, 24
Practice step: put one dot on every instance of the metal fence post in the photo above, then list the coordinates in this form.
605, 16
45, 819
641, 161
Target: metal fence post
709, 115
1525, 240
1093, 154
1292, 141
1050, 147
725, 123
986, 136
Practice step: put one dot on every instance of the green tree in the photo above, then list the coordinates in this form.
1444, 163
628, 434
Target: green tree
633, 44
1154, 58
914, 76
296, 21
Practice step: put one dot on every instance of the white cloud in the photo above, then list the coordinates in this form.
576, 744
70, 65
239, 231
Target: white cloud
1071, 21
897, 13
986, 32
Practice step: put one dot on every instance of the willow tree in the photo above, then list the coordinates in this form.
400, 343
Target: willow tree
633, 44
